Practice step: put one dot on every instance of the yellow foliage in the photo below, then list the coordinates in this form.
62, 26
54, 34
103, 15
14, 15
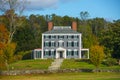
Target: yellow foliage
96, 55
9, 51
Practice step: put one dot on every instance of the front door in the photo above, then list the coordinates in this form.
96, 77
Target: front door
61, 54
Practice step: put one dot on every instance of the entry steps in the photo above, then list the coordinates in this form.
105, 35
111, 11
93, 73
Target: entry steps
56, 64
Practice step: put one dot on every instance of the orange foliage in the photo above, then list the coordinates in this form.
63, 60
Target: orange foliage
3, 35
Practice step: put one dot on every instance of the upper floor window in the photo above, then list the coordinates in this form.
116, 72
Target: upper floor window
76, 43
53, 43
53, 37
46, 43
72, 36
69, 43
76, 36
46, 36
69, 37
61, 43
61, 37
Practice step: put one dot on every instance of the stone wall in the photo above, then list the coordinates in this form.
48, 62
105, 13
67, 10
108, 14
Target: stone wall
23, 72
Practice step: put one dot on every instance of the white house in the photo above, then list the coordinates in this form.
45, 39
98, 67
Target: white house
61, 42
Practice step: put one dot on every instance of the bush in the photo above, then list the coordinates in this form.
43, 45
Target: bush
24, 55
110, 62
83, 60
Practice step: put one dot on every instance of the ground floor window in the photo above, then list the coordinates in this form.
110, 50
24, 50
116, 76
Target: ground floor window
36, 54
49, 53
72, 52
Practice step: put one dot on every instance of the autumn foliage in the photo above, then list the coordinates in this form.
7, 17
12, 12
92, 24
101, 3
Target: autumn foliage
3, 36
6, 49
96, 55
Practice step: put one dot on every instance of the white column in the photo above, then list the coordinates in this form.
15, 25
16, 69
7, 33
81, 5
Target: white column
56, 54
88, 53
80, 46
34, 54
65, 54
42, 46
80, 54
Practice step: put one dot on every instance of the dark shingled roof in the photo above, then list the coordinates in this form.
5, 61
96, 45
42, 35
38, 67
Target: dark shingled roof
61, 30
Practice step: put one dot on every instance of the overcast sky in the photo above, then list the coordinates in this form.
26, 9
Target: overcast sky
108, 9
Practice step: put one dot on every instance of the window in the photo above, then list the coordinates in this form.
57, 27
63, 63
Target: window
69, 52
52, 43
76, 52
69, 43
69, 36
46, 53
52, 52
38, 54
75, 43
46, 43
76, 37
61, 43
46, 36
60, 37
53, 37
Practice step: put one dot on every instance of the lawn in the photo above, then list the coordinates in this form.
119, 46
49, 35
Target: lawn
73, 64
31, 64
65, 76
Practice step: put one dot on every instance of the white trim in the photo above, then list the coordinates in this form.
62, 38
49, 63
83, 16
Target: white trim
60, 41
75, 50
46, 41
69, 50
85, 49
37, 49
62, 34
80, 46
46, 50
52, 50
42, 46
52, 41
60, 49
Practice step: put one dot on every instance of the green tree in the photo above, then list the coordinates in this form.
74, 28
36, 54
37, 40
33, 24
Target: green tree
110, 38
96, 55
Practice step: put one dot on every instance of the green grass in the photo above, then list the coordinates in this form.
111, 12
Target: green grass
31, 64
45, 63
73, 64
65, 76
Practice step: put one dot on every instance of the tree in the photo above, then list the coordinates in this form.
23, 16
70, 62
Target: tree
10, 7
110, 38
84, 16
3, 41
96, 55
16, 5
3, 36
9, 52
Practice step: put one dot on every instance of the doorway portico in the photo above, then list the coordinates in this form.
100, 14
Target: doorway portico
60, 53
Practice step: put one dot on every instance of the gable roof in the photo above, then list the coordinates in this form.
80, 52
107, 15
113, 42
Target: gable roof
61, 30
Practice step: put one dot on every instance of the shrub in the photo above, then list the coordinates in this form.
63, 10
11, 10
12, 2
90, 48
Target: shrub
110, 62
24, 55
83, 60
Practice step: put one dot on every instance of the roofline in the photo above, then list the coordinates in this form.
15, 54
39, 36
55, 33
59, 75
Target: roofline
61, 34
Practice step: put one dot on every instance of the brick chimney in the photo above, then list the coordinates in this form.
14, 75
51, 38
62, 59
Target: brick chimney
74, 26
50, 26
